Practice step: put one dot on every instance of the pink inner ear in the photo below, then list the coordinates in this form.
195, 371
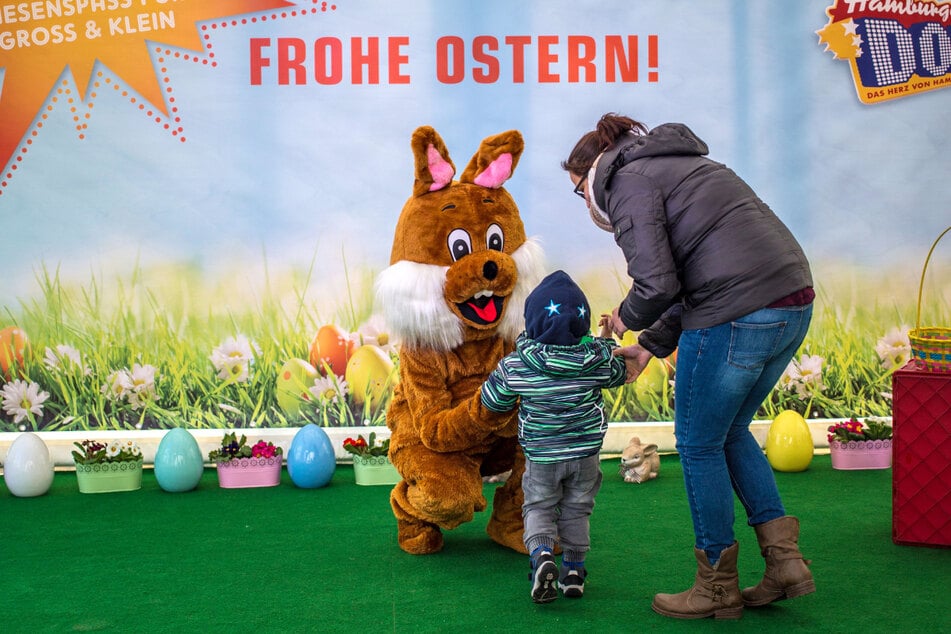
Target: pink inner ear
496, 173
439, 168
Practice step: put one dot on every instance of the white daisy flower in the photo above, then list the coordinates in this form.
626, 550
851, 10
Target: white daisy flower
117, 384
810, 375
803, 376
329, 389
113, 450
142, 390
22, 399
64, 357
790, 377
233, 358
373, 332
894, 349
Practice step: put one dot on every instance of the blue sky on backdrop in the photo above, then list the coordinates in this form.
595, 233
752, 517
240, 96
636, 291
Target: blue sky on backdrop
294, 170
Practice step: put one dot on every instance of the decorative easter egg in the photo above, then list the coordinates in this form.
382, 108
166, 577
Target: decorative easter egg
294, 381
310, 460
13, 344
789, 442
178, 461
331, 349
368, 374
28, 467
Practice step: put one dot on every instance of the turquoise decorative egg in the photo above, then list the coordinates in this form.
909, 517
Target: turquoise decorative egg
178, 461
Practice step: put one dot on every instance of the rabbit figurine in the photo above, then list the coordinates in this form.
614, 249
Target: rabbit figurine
639, 463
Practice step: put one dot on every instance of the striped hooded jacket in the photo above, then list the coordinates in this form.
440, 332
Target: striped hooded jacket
561, 415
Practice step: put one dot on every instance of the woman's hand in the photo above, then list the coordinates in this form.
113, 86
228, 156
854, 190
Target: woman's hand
616, 324
636, 359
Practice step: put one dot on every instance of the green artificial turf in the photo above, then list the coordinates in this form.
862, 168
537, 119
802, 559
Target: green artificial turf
285, 559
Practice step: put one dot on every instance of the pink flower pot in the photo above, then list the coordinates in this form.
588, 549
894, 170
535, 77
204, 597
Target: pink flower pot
865, 454
249, 472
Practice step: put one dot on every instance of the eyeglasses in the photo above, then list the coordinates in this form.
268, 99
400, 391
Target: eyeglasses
578, 188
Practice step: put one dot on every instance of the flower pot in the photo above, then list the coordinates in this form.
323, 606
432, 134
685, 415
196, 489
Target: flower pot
243, 473
109, 477
864, 454
370, 470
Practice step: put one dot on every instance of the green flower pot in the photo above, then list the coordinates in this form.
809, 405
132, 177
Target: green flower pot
374, 470
109, 477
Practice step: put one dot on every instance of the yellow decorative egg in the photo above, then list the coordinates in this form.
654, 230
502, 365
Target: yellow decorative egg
294, 381
368, 374
789, 443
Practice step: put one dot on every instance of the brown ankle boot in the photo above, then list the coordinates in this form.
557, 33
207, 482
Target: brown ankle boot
787, 574
715, 591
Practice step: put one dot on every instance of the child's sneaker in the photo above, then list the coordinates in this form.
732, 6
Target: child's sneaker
544, 578
572, 580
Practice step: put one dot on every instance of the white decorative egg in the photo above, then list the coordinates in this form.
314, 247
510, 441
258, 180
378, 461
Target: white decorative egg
28, 467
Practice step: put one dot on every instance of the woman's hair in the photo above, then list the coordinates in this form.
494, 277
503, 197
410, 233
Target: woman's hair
610, 128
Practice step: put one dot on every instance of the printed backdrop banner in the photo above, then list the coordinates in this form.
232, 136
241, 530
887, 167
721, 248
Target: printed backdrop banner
217, 148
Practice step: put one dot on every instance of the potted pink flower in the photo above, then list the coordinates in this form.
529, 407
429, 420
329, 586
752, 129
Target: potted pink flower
241, 465
857, 445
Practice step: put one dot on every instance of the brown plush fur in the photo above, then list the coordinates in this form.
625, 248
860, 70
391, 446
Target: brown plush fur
460, 269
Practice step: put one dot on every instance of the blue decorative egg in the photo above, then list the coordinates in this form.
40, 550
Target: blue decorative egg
28, 467
178, 461
310, 460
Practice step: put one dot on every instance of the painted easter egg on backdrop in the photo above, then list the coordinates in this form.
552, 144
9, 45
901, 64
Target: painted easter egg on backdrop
178, 461
310, 460
368, 374
789, 446
13, 345
294, 381
28, 467
331, 349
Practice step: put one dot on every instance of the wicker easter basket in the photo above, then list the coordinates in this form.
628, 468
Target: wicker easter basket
930, 345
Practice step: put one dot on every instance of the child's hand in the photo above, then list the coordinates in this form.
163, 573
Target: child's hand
611, 325
606, 330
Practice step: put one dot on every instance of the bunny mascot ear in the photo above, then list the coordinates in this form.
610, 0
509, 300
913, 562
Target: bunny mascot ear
434, 168
495, 161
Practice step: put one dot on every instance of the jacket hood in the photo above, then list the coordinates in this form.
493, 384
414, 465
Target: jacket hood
562, 361
669, 139
557, 312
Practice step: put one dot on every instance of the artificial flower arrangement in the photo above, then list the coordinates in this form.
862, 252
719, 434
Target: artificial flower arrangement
108, 467
366, 448
95, 452
234, 448
854, 430
371, 464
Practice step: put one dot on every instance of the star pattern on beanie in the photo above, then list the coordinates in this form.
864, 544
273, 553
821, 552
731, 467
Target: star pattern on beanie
553, 308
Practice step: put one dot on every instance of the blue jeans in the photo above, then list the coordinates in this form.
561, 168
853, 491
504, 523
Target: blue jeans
559, 498
723, 375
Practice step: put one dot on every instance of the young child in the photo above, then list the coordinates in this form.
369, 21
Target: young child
558, 370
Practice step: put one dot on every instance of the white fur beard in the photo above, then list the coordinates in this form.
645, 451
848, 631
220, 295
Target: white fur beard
414, 306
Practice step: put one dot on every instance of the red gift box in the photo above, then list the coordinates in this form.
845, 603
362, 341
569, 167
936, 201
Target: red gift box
921, 460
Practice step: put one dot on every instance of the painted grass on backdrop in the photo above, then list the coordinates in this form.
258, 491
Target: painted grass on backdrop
147, 319
172, 317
